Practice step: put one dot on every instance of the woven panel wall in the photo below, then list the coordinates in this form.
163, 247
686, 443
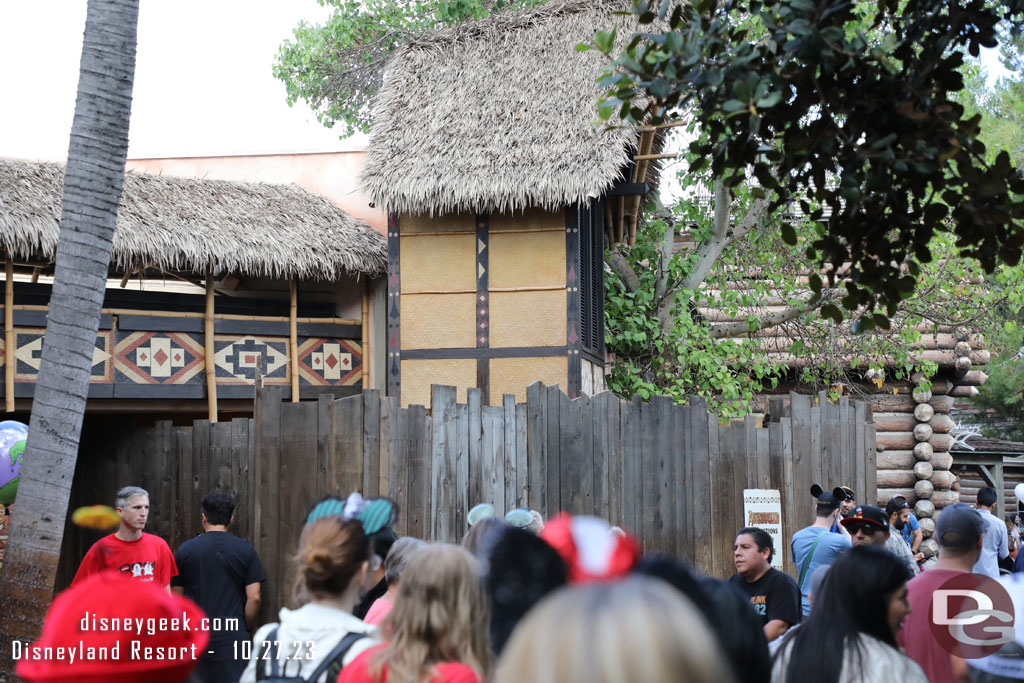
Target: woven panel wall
532, 219
418, 375
527, 259
527, 318
458, 222
513, 375
438, 321
438, 263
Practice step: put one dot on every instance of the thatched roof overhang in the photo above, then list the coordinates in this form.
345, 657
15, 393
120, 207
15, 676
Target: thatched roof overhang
497, 115
183, 225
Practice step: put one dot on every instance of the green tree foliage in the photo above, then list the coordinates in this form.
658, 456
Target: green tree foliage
1001, 398
337, 68
734, 314
847, 110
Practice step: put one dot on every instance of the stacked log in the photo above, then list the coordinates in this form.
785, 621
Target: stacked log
913, 442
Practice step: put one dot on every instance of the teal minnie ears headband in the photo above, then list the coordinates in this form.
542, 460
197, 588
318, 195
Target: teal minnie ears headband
373, 514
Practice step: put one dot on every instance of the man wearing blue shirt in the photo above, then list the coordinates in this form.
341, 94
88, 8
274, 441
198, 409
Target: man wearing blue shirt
814, 546
912, 533
994, 545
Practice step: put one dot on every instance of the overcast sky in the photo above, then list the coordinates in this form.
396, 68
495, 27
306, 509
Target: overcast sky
203, 84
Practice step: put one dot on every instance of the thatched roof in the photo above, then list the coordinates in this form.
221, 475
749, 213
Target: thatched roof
497, 115
187, 225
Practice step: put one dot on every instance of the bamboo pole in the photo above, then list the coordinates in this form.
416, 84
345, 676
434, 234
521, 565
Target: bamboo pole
661, 126
293, 335
220, 316
364, 342
640, 172
651, 157
211, 368
10, 361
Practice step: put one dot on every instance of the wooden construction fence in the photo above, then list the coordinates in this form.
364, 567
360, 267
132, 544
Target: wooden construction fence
670, 474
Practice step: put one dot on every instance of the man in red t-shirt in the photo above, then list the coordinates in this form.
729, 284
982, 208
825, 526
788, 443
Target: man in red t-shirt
137, 555
959, 532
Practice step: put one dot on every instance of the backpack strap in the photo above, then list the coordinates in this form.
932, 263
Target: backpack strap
335, 655
261, 662
807, 560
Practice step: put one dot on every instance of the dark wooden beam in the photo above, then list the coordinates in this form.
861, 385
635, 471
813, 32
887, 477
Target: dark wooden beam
393, 352
629, 190
574, 333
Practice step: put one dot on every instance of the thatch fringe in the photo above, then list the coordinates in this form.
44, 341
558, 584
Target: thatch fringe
497, 115
184, 225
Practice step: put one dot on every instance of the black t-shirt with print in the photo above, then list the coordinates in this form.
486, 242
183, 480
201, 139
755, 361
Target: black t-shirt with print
774, 596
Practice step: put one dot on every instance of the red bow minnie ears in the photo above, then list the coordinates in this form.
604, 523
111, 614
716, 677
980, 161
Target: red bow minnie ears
590, 549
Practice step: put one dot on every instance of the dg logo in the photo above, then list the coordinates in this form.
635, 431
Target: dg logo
972, 616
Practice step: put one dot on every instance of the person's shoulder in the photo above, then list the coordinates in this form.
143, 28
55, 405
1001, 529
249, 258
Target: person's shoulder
455, 672
154, 539
358, 670
780, 576
839, 541
189, 546
736, 580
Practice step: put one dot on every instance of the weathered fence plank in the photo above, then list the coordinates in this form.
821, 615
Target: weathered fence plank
671, 475
537, 446
443, 521
505, 486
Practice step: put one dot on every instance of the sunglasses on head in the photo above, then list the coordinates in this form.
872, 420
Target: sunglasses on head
868, 529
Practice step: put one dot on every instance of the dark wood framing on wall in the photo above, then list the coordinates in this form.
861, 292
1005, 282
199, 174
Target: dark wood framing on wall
394, 350
574, 341
483, 303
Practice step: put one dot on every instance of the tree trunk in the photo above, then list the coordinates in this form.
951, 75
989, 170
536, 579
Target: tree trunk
92, 191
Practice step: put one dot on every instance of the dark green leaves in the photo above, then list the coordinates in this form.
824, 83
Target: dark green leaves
864, 124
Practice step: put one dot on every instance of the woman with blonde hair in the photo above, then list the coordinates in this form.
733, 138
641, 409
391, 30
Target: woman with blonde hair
638, 629
437, 630
317, 640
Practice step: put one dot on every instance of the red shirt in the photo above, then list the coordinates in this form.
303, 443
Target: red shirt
147, 559
916, 637
358, 671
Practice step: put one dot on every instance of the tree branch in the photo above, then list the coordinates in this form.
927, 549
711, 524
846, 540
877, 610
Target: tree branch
620, 265
721, 236
742, 327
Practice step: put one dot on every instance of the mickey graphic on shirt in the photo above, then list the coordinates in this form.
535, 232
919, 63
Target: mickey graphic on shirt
139, 570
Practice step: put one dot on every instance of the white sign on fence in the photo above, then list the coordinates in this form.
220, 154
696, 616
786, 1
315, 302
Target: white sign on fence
762, 508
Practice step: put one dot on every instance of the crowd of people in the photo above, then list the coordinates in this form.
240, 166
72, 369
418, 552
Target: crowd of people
569, 599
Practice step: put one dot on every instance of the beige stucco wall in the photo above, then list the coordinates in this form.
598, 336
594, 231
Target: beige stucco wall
334, 175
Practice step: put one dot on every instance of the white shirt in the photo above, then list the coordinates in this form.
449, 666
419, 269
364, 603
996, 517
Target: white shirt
316, 629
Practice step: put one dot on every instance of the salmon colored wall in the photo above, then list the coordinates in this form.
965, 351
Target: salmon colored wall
334, 175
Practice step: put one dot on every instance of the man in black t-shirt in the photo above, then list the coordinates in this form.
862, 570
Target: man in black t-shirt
221, 573
773, 594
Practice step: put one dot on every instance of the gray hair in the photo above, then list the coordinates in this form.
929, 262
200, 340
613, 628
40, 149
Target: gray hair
401, 552
127, 493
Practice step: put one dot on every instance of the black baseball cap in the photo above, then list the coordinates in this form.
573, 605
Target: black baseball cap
867, 513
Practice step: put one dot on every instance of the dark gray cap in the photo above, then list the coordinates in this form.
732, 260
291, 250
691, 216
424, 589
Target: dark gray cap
959, 527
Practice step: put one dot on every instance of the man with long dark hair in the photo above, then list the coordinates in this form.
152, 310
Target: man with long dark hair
850, 636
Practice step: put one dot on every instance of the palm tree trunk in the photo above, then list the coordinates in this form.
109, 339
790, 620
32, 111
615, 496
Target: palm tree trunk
92, 191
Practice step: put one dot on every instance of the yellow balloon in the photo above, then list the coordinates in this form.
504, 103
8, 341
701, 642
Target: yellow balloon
99, 517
